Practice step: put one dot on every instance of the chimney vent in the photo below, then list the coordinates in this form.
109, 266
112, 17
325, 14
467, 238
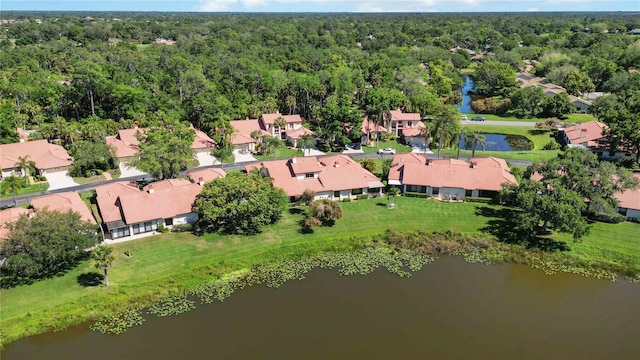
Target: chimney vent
32, 213
427, 162
578, 125
583, 133
336, 164
293, 159
201, 181
150, 189
474, 164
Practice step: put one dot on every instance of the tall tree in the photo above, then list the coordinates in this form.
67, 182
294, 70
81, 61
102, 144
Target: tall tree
445, 126
26, 166
475, 138
103, 259
165, 150
494, 78
621, 113
12, 184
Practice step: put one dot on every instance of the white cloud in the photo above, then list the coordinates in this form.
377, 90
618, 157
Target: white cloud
251, 4
533, 9
217, 5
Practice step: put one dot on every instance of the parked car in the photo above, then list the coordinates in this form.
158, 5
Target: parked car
464, 117
355, 146
478, 118
387, 151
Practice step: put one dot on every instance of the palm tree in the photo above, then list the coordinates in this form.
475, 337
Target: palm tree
281, 124
393, 192
12, 184
305, 142
103, 259
25, 165
463, 135
474, 139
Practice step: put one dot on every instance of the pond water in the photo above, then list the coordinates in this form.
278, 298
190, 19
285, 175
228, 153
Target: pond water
449, 310
502, 142
465, 107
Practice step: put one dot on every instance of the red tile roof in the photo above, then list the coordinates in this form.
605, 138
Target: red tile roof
126, 143
369, 126
299, 132
487, 173
167, 184
107, 199
207, 175
243, 130
64, 202
45, 155
8, 216
335, 173
271, 118
398, 115
420, 129
161, 204
585, 133
630, 199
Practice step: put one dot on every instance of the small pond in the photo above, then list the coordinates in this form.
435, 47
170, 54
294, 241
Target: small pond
502, 142
465, 107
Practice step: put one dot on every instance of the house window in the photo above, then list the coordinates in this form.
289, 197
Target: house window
468, 193
145, 227
435, 191
416, 188
356, 191
622, 211
120, 232
336, 194
308, 175
410, 124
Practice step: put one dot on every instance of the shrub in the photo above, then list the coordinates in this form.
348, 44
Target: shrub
182, 228
362, 196
346, 200
613, 218
163, 229
482, 200
551, 145
416, 195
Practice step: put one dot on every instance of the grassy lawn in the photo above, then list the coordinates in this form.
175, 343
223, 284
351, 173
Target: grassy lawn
281, 153
538, 137
386, 144
35, 188
571, 118
168, 263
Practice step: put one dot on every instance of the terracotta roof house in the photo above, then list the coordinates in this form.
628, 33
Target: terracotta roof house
586, 135
407, 125
49, 158
370, 130
127, 146
550, 89
241, 138
331, 177
8, 216
205, 175
449, 178
292, 131
64, 202
629, 202
128, 211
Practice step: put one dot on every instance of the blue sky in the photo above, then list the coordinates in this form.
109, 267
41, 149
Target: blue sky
322, 5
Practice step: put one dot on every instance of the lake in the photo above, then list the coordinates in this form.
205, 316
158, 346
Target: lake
449, 310
465, 107
502, 142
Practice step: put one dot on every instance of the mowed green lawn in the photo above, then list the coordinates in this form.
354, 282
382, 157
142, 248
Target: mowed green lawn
165, 264
538, 137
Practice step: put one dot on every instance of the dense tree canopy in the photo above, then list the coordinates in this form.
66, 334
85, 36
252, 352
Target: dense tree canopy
240, 204
45, 245
621, 112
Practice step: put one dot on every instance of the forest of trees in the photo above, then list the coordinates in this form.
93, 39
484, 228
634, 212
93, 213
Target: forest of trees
83, 76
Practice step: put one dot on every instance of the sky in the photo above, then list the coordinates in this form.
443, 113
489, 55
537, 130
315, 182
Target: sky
322, 5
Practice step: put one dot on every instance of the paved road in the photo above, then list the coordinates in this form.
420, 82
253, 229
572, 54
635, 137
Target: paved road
23, 199
498, 122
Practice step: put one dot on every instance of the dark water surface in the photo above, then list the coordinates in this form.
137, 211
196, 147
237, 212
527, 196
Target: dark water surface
465, 107
449, 310
502, 142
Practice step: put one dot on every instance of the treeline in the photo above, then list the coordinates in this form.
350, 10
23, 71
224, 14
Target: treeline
81, 76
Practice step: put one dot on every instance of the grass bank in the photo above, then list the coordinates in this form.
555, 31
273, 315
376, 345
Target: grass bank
172, 263
570, 118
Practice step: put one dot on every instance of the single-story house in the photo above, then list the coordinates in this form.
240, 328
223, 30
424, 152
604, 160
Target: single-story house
334, 177
48, 158
127, 210
8, 216
127, 146
204, 176
449, 178
241, 137
587, 135
629, 202
64, 202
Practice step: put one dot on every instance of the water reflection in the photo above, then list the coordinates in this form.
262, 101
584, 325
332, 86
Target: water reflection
502, 142
465, 107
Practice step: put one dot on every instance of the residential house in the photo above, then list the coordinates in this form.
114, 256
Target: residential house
293, 129
128, 211
241, 137
8, 216
550, 89
409, 126
49, 159
449, 179
127, 146
64, 202
204, 176
333, 177
629, 202
370, 131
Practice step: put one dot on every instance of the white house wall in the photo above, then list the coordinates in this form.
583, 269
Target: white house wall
185, 219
